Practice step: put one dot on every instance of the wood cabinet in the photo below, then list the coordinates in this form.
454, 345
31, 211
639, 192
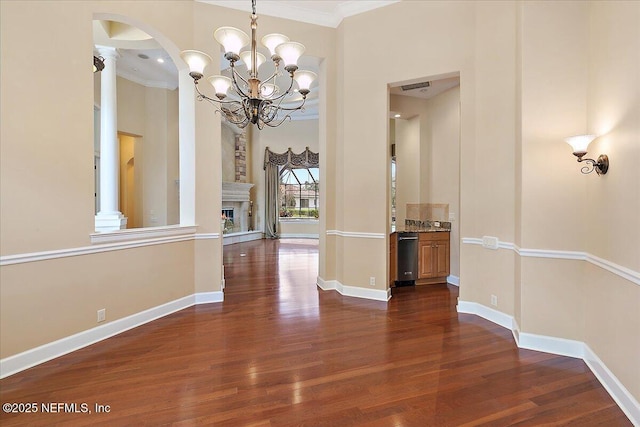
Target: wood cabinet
433, 257
393, 258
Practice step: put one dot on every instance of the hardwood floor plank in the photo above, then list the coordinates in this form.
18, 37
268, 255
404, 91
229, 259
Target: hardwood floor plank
280, 352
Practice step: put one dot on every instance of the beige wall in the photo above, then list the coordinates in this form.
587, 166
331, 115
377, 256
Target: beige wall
580, 67
47, 178
408, 167
531, 73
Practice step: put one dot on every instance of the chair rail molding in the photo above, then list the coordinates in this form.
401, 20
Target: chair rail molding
624, 272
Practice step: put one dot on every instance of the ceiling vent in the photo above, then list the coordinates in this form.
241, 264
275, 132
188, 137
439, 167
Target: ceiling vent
415, 86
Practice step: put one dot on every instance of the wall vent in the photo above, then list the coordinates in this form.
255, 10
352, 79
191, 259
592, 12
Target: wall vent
415, 86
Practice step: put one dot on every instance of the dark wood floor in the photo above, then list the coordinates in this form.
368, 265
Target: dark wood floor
279, 352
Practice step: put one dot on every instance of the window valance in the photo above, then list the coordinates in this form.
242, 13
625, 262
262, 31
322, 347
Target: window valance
306, 159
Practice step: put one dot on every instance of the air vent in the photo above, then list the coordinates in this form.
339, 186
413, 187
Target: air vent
415, 86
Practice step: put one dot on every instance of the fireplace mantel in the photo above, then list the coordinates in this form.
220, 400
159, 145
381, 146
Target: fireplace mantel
236, 191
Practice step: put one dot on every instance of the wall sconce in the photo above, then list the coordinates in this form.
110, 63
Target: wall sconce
98, 63
579, 143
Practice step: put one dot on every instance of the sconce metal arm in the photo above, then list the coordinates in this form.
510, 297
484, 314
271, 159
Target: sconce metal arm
601, 166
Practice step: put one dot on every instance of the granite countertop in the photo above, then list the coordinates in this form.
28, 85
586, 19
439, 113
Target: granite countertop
412, 225
422, 230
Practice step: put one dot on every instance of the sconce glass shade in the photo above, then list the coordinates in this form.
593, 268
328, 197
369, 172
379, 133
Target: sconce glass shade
246, 58
271, 41
304, 79
232, 39
221, 85
197, 62
290, 52
580, 143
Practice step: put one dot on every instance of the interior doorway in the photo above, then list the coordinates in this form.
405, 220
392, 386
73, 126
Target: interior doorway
128, 187
424, 151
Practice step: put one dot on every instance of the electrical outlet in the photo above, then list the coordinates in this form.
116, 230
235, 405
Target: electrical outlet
372, 281
452, 216
490, 242
102, 314
494, 300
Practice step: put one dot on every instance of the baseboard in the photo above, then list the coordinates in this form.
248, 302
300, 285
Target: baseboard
453, 280
209, 297
30, 358
554, 345
354, 291
563, 347
299, 236
618, 392
490, 314
247, 236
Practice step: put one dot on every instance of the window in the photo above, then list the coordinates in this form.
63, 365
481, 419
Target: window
299, 191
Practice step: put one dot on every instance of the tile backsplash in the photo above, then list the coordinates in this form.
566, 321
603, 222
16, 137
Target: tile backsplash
417, 225
428, 211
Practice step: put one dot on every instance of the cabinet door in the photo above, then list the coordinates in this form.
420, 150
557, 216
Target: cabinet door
425, 263
441, 259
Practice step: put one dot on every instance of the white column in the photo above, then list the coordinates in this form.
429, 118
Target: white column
109, 217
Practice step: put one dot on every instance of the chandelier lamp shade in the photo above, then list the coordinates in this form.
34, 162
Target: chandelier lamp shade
243, 99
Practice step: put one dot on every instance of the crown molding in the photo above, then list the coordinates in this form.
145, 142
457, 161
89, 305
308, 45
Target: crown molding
304, 11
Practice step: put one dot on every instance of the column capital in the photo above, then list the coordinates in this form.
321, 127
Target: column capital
108, 52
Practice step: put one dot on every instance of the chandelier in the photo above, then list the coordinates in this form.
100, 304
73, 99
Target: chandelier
252, 100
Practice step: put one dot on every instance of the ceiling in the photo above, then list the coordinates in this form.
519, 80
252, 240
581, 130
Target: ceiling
326, 12
143, 61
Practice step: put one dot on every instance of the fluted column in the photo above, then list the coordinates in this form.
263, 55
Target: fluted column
109, 216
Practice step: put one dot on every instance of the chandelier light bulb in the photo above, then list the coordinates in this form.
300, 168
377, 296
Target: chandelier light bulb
246, 58
221, 85
232, 40
290, 52
580, 143
197, 62
304, 79
271, 41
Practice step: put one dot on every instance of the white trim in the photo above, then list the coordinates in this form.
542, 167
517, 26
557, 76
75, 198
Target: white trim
245, 236
209, 297
547, 344
619, 270
141, 233
356, 234
299, 236
64, 253
495, 316
453, 280
564, 347
618, 392
35, 356
354, 291
312, 221
171, 234
472, 241
207, 236
624, 272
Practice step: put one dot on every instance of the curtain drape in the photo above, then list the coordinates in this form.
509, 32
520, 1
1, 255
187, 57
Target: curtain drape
272, 164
